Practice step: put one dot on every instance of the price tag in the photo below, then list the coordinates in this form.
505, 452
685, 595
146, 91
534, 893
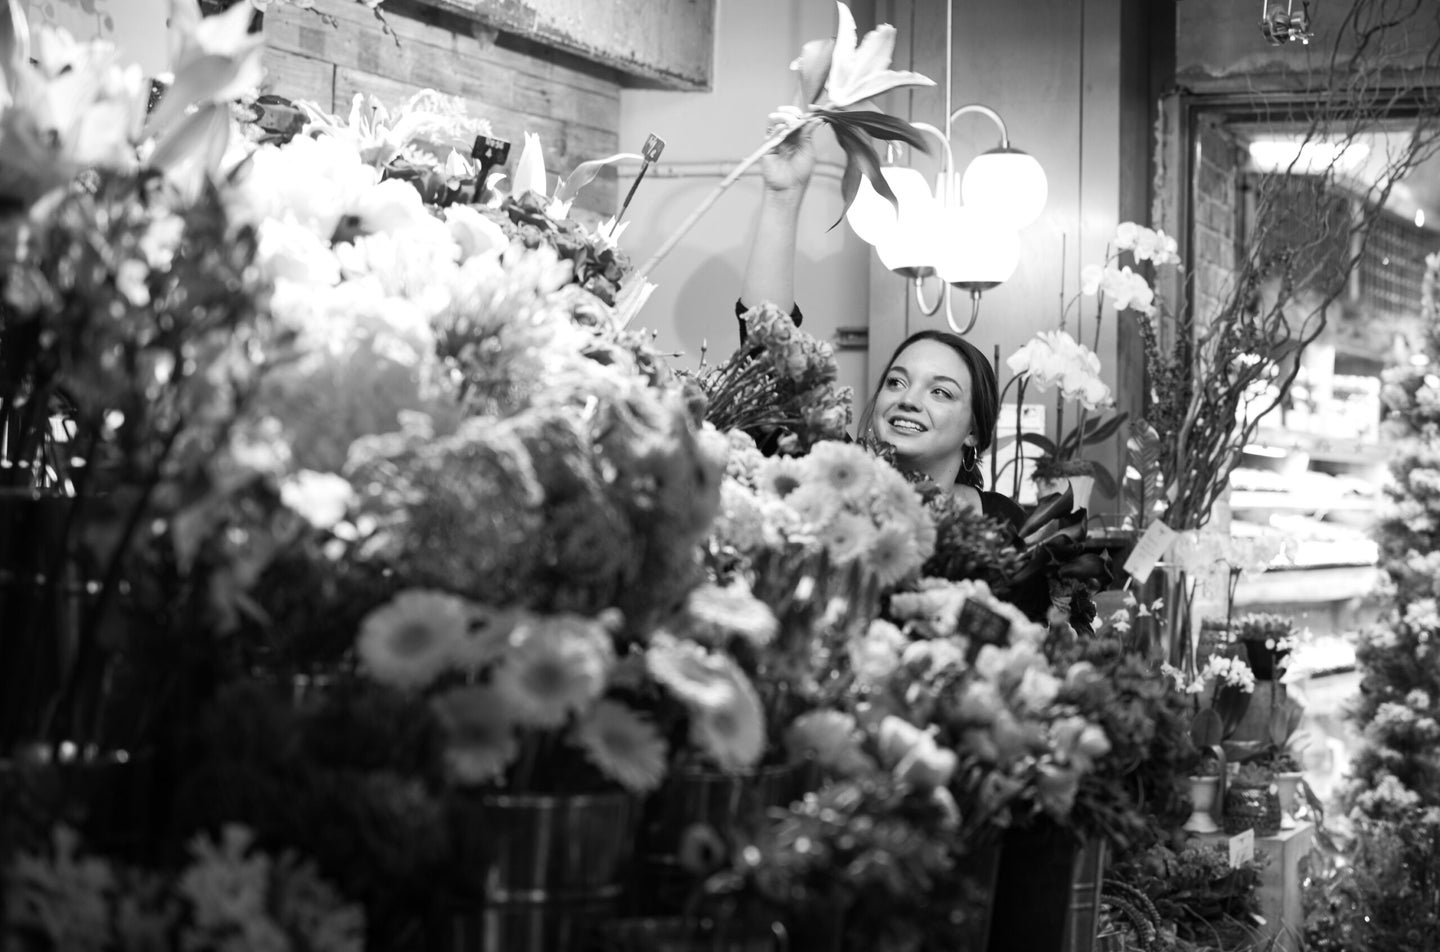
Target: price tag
489, 151
1151, 548
983, 626
652, 148
1242, 848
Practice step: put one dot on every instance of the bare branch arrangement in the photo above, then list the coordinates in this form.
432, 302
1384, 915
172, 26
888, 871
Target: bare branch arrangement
1306, 230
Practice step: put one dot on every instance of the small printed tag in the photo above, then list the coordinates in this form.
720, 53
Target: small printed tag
489, 151
654, 145
1150, 549
983, 626
1242, 848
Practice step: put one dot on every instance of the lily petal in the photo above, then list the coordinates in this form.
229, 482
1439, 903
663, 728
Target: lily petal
842, 62
813, 67
882, 82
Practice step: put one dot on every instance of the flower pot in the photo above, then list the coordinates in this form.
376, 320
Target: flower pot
535, 872
1256, 808
1047, 891
721, 802
1204, 791
1288, 786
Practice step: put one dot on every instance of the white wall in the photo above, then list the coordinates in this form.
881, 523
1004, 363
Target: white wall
706, 134
136, 27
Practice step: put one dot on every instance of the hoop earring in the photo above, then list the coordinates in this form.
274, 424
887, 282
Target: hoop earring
969, 458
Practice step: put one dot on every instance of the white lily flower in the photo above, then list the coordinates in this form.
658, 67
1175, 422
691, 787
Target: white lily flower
861, 71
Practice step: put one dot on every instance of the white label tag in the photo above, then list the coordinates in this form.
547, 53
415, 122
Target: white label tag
1242, 848
1150, 549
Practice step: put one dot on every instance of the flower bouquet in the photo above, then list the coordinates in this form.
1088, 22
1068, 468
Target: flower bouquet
778, 386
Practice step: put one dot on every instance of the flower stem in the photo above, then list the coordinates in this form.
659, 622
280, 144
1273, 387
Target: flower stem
780, 136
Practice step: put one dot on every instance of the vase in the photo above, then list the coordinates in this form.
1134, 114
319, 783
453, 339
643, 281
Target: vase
1047, 891
535, 872
698, 802
1248, 808
1204, 792
1287, 788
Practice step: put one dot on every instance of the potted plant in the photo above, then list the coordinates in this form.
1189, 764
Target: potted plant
1252, 800
1205, 782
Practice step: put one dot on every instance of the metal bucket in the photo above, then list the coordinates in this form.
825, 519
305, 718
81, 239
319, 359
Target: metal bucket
535, 872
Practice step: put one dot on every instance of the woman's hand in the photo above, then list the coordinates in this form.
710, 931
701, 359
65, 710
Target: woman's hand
788, 166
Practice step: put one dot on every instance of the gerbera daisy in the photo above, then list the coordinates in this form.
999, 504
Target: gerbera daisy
488, 635
847, 537
893, 554
778, 476
409, 640
557, 664
624, 745
892, 498
690, 672
717, 614
814, 505
845, 468
733, 732
479, 736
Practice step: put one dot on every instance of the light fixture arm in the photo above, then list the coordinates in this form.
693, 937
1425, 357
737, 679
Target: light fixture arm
985, 111
928, 309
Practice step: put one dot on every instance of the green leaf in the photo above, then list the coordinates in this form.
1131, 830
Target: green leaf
1044, 442
584, 173
861, 153
879, 125
1104, 479
1207, 729
1100, 430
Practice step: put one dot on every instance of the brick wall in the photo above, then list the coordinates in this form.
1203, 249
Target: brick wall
572, 104
1217, 203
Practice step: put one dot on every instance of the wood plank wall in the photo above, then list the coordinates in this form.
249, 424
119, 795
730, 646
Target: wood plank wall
573, 105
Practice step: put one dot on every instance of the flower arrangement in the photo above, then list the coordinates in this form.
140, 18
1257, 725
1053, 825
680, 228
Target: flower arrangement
228, 895
778, 385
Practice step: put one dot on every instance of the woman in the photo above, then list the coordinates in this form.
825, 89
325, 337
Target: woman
938, 400
937, 404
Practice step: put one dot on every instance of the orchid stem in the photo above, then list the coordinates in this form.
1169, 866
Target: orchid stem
713, 197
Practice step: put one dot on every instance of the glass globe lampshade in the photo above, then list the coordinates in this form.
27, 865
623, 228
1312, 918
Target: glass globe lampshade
1007, 183
903, 238
976, 248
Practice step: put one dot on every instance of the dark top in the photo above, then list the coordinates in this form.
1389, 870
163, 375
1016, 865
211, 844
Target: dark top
740, 310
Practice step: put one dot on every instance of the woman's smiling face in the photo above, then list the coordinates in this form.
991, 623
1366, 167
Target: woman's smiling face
923, 409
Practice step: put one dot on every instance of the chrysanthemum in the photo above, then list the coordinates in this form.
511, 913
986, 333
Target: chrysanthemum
479, 735
845, 468
624, 745
690, 672
732, 732
814, 505
557, 664
847, 536
717, 614
409, 640
893, 554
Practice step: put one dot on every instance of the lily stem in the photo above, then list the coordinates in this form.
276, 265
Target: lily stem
780, 136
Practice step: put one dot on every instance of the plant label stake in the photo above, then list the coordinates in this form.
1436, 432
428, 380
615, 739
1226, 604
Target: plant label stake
489, 152
650, 152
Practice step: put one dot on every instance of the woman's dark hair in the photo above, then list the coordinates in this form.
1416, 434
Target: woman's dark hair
984, 395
